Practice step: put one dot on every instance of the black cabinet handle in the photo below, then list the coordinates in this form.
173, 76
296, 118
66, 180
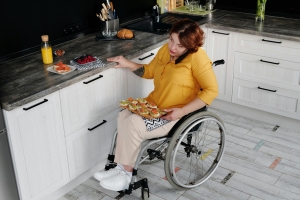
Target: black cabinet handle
220, 33
271, 41
90, 129
266, 89
218, 62
261, 60
100, 76
151, 54
45, 100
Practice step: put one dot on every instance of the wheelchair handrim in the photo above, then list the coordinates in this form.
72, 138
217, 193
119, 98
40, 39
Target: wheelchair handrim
218, 157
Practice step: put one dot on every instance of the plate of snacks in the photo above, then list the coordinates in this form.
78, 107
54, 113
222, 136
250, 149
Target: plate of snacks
143, 108
61, 68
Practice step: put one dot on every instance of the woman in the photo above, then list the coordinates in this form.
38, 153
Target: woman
184, 82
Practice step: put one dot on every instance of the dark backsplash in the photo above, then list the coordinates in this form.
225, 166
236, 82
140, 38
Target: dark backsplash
23, 22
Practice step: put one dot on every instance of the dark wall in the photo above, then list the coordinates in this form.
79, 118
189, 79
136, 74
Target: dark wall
23, 22
285, 8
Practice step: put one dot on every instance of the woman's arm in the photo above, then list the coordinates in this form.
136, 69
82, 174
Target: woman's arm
177, 113
124, 63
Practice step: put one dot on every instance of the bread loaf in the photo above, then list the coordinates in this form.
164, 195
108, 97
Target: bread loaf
125, 34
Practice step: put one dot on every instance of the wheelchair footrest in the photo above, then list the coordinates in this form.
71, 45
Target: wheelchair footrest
136, 185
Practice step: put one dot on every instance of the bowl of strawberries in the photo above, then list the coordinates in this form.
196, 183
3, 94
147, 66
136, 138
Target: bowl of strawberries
86, 62
85, 59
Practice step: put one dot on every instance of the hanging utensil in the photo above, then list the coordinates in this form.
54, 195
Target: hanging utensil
104, 14
109, 13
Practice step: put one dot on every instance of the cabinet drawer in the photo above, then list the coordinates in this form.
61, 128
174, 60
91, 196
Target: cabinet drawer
88, 100
90, 144
267, 98
145, 58
269, 47
271, 71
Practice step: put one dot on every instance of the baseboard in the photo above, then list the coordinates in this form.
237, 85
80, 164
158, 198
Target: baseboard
257, 114
77, 181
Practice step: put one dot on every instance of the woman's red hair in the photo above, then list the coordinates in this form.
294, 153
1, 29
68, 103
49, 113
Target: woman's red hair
190, 35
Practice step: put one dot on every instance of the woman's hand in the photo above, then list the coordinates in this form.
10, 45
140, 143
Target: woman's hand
173, 114
124, 63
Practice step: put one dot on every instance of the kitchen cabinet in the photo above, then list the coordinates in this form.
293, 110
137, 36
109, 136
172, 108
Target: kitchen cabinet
137, 86
267, 98
220, 46
267, 75
92, 98
37, 142
205, 36
89, 145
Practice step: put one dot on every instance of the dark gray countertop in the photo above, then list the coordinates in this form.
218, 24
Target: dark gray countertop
26, 79
275, 27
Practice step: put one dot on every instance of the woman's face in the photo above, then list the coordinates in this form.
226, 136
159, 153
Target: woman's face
175, 48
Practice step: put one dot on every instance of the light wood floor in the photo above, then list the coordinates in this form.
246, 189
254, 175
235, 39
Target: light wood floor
265, 165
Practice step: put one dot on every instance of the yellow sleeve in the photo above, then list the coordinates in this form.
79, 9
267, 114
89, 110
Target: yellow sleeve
204, 74
149, 68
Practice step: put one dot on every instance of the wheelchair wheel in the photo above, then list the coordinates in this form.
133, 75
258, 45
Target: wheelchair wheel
195, 150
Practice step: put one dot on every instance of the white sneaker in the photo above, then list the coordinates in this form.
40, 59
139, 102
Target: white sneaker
118, 182
106, 174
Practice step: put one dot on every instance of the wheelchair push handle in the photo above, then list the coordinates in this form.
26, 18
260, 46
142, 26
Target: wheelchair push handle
218, 62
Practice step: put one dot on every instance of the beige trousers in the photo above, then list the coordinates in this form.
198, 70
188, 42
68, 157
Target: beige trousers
131, 133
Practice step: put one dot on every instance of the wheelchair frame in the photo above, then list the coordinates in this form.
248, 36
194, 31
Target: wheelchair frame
187, 126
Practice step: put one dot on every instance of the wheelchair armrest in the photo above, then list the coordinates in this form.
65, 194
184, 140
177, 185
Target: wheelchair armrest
174, 128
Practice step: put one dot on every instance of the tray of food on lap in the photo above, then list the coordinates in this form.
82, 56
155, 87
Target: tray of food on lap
143, 108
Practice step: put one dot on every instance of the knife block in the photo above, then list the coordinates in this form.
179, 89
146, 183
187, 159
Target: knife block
112, 25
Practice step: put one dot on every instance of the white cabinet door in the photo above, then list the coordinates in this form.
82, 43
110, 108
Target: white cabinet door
267, 98
205, 36
266, 70
220, 46
137, 86
90, 144
88, 100
37, 143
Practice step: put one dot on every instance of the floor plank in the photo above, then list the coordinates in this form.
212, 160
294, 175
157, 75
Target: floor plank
250, 169
289, 183
259, 189
275, 137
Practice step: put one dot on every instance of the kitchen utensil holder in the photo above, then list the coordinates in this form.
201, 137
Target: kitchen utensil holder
112, 25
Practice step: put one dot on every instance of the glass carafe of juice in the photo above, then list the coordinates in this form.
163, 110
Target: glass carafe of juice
46, 50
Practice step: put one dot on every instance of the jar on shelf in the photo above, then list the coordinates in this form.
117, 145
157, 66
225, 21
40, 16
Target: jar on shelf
46, 49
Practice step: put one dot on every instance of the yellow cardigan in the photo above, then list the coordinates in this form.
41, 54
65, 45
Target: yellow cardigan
176, 85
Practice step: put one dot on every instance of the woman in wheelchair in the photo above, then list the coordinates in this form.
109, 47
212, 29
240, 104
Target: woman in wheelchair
184, 82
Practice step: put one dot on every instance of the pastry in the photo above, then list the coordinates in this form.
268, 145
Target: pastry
132, 106
141, 100
124, 103
125, 34
143, 111
151, 105
154, 113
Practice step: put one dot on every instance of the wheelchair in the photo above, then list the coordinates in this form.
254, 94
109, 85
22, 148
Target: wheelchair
191, 151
